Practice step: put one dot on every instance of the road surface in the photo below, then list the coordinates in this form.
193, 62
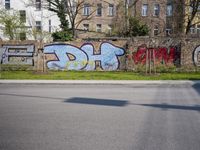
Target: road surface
99, 117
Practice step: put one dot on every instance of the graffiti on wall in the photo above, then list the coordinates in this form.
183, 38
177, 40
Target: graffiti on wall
162, 55
17, 54
196, 56
71, 57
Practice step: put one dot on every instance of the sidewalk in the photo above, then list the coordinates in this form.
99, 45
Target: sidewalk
113, 82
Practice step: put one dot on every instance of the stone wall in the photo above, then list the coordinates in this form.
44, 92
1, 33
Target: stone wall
162, 51
19, 53
86, 55
180, 52
190, 57
103, 54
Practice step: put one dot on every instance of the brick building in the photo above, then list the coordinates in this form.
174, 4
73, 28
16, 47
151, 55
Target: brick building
164, 17
167, 17
98, 16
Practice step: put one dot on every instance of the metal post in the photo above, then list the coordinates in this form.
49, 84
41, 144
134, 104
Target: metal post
154, 61
150, 61
147, 60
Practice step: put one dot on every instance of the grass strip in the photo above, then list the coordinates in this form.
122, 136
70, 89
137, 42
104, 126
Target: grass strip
96, 75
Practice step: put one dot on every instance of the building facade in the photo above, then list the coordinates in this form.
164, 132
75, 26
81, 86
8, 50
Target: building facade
35, 17
161, 16
167, 17
97, 16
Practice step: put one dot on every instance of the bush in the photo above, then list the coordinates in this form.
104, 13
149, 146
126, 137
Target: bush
136, 28
62, 36
162, 68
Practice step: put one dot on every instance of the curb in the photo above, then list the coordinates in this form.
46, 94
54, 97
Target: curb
104, 82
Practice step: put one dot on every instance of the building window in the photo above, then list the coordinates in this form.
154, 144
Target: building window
109, 29
111, 10
99, 9
49, 5
144, 9
38, 4
38, 25
22, 14
86, 27
168, 31
98, 27
169, 10
198, 29
156, 30
73, 6
190, 9
86, 9
7, 4
156, 10
50, 28
192, 29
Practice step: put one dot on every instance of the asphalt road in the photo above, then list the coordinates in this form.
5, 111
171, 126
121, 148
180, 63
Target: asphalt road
99, 117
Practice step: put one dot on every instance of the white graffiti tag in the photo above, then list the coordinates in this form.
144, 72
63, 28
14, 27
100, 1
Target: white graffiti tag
17, 54
196, 56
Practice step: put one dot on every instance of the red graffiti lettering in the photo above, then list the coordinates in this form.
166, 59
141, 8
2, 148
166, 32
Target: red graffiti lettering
162, 55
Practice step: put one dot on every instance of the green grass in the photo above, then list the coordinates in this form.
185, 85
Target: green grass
96, 75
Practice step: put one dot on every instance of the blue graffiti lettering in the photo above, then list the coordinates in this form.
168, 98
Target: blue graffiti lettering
64, 61
107, 57
84, 57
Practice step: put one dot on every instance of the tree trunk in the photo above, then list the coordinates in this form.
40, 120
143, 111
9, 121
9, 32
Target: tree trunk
188, 27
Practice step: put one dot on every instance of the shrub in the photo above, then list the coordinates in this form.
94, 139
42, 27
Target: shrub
136, 28
62, 36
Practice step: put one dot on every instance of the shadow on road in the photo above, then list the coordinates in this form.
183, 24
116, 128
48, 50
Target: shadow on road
94, 101
197, 87
91, 101
165, 106
110, 102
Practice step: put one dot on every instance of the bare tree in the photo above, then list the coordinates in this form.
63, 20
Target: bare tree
129, 6
74, 10
192, 14
58, 6
68, 12
124, 11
